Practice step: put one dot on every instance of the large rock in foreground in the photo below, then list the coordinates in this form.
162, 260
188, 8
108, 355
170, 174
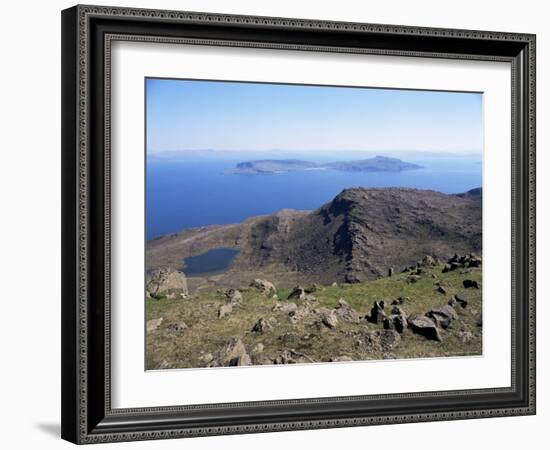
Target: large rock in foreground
165, 280
425, 327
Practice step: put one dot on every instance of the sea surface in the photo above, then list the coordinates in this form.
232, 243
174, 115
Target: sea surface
184, 193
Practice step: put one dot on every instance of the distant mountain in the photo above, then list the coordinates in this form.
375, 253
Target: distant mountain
376, 164
358, 235
472, 193
272, 166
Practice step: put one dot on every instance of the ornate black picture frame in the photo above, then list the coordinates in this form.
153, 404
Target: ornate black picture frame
87, 33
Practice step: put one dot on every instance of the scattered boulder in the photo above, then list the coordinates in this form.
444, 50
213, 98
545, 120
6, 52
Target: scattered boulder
346, 312
206, 357
459, 299
428, 261
292, 356
470, 284
164, 280
466, 337
442, 290
178, 327
413, 278
351, 278
390, 271
262, 326
233, 296
462, 262
377, 314
343, 358
327, 317
225, 310
389, 339
443, 316
298, 293
234, 354
400, 300
171, 296
258, 348
154, 324
285, 308
425, 327
312, 288
308, 300
264, 286
299, 314
396, 321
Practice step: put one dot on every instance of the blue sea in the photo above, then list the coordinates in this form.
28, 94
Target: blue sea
191, 192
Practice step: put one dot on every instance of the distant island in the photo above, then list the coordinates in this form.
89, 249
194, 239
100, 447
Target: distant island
270, 166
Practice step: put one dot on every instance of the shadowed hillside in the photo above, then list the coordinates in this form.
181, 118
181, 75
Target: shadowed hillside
358, 236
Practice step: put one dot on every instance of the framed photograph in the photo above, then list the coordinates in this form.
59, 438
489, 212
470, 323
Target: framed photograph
280, 224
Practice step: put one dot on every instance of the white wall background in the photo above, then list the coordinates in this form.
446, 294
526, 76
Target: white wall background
30, 221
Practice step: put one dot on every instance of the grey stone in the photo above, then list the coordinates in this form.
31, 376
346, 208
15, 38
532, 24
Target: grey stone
377, 314
389, 339
346, 312
264, 286
164, 280
425, 327
298, 293
470, 284
225, 310
234, 354
262, 326
234, 296
178, 327
154, 324
443, 316
461, 300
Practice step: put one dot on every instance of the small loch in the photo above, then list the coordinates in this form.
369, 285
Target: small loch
211, 262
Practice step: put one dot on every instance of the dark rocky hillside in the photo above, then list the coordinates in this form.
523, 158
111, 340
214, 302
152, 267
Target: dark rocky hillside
358, 236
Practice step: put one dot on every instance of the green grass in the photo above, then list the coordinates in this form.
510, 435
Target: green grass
208, 334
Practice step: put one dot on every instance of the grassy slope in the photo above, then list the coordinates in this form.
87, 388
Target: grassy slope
208, 334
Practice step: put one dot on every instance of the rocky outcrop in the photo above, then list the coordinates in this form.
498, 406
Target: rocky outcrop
462, 262
165, 281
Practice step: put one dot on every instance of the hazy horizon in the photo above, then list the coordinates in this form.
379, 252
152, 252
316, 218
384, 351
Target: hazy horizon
202, 116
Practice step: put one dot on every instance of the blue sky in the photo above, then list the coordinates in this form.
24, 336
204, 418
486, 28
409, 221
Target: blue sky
198, 115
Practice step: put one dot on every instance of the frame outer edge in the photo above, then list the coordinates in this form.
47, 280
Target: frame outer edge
75, 185
69, 233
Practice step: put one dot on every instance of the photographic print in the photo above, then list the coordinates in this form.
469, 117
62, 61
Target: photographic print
293, 224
